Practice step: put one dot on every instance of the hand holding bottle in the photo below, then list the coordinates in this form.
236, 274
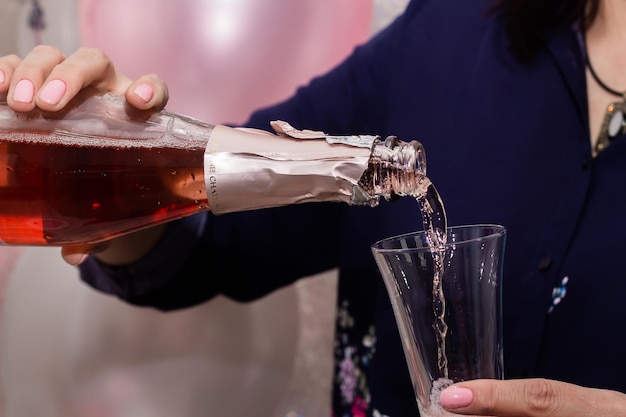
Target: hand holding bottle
100, 169
45, 78
49, 80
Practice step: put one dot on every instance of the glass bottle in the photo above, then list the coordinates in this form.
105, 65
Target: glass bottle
99, 169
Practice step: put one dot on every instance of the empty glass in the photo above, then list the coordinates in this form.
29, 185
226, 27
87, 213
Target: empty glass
447, 305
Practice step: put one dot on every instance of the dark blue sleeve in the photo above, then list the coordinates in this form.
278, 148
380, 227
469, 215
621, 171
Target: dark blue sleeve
240, 255
247, 255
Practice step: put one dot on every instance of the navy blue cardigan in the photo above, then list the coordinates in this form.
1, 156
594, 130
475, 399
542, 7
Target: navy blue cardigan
506, 142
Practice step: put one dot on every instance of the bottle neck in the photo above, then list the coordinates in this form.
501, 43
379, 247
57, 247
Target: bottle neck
396, 168
248, 170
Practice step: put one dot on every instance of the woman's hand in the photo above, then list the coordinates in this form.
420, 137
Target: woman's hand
47, 79
119, 251
531, 398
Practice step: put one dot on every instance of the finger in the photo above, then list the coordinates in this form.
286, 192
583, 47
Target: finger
148, 91
8, 64
87, 67
76, 254
530, 398
28, 75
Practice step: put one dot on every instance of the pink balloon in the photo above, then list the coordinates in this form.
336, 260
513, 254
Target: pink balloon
223, 59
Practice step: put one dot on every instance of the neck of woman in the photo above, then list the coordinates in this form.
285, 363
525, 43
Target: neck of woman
610, 23
605, 39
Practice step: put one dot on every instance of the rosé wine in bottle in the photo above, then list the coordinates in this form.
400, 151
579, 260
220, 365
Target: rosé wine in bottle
99, 169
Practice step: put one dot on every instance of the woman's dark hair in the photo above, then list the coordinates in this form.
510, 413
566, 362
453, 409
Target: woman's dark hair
529, 22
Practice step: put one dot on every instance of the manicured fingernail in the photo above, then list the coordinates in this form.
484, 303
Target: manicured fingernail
145, 92
53, 92
456, 397
24, 91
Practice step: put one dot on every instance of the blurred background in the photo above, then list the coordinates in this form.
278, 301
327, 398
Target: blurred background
66, 350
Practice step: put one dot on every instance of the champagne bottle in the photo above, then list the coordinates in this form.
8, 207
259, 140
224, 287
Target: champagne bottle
99, 169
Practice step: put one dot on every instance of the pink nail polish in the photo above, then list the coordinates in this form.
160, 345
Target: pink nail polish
24, 91
456, 397
53, 92
145, 92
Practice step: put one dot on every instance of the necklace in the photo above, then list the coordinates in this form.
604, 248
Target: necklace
614, 122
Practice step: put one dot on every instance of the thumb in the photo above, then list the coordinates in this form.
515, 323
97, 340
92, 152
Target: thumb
76, 254
531, 398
